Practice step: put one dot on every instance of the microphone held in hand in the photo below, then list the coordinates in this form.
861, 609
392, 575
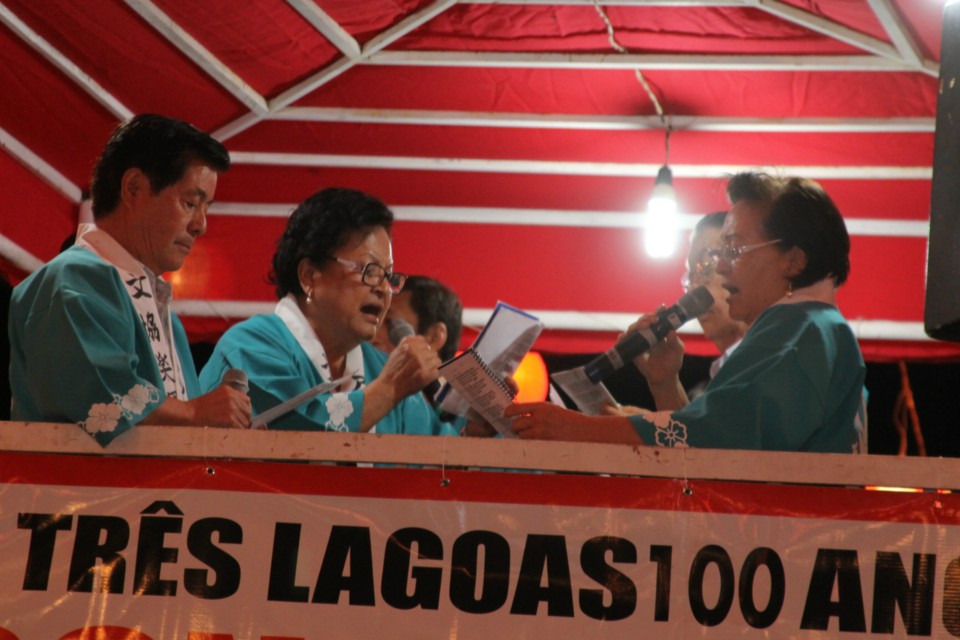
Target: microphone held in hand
692, 304
398, 329
236, 378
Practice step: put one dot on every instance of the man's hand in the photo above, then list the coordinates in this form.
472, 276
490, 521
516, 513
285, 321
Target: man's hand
223, 407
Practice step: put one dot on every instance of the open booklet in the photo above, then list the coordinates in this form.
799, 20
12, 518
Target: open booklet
589, 397
501, 345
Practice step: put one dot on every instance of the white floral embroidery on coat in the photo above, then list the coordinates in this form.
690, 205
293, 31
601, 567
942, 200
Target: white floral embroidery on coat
103, 416
668, 432
340, 408
137, 399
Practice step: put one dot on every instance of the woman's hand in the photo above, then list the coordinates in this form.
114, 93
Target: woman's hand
661, 363
546, 421
411, 366
624, 410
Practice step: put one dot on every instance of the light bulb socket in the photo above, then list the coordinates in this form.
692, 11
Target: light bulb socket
663, 190
664, 176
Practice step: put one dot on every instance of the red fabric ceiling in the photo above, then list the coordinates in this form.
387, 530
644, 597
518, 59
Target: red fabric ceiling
266, 48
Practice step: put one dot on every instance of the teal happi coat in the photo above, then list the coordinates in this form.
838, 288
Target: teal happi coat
795, 383
80, 353
278, 369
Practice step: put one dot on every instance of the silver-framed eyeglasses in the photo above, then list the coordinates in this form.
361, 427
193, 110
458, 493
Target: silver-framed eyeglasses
699, 273
373, 274
731, 254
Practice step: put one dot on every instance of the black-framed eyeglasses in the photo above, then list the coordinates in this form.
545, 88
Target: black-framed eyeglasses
373, 274
731, 254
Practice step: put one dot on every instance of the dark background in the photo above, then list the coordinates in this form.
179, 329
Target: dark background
933, 385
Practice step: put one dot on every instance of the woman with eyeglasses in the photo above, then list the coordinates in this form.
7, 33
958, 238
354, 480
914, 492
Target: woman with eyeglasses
795, 382
334, 277
718, 327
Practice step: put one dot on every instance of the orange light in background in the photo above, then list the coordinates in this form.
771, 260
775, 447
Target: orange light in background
893, 489
531, 376
903, 489
175, 278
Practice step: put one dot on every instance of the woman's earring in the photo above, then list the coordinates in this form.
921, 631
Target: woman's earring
309, 296
789, 289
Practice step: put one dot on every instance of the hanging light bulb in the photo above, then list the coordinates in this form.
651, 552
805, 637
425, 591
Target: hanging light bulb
663, 198
662, 221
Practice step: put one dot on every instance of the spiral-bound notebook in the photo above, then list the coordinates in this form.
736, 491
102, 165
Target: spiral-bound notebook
505, 339
484, 390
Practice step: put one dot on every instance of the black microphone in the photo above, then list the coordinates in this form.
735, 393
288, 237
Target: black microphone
398, 329
692, 304
236, 378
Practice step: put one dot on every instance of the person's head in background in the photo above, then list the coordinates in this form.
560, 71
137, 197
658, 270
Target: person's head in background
718, 326
432, 309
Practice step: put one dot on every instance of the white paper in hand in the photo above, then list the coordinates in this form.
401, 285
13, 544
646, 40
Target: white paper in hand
589, 398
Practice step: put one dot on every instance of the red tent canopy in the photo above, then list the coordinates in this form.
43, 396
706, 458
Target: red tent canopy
513, 140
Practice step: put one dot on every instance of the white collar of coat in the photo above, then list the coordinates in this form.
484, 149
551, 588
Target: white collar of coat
289, 312
143, 286
108, 248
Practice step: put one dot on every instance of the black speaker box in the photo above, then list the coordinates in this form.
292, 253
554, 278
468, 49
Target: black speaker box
941, 317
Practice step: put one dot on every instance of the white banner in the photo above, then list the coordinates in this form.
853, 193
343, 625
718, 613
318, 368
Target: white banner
157, 549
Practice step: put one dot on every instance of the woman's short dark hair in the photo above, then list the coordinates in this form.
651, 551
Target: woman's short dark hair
800, 214
160, 147
434, 302
319, 226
